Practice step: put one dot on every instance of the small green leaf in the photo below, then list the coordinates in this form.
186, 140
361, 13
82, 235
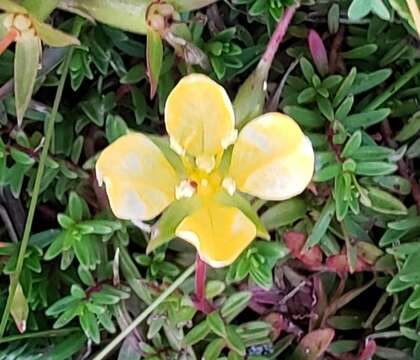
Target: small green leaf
90, 326
216, 324
359, 9
234, 341
134, 75
321, 226
307, 69
26, 67
352, 144
365, 119
325, 107
344, 109
305, 117
360, 52
213, 349
235, 304
384, 202
306, 96
375, 168
284, 213
154, 56
197, 333
345, 86
410, 129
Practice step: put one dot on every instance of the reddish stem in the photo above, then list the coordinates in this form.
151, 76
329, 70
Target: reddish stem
199, 299
278, 35
8, 39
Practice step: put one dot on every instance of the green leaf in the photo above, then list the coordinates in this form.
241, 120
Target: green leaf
365, 119
410, 129
384, 202
90, 326
305, 117
53, 37
364, 82
327, 173
321, 226
77, 292
234, 341
284, 213
213, 349
216, 324
115, 127
344, 109
235, 304
76, 207
372, 153
360, 52
134, 75
345, 87
306, 96
21, 157
67, 316
56, 246
164, 230
197, 333
307, 69
325, 107
379, 8
359, 9
375, 168
62, 305
353, 144
26, 67
154, 56
406, 224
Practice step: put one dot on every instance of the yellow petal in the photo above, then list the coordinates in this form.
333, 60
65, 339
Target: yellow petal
140, 182
272, 158
219, 233
199, 115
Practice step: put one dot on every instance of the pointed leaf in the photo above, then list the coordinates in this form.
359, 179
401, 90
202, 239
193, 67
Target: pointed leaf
19, 309
26, 67
154, 55
53, 37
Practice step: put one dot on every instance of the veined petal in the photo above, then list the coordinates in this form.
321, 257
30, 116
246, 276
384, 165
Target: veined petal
140, 182
199, 115
272, 158
219, 233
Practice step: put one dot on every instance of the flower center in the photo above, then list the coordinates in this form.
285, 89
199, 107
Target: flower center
20, 23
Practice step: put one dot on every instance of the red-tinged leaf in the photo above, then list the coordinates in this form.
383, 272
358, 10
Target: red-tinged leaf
295, 241
154, 56
314, 345
318, 52
368, 351
340, 264
276, 321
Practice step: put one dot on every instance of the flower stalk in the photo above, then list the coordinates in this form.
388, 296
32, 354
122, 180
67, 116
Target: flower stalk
199, 299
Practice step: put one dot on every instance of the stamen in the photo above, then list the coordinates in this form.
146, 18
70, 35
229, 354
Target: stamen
230, 138
206, 163
22, 22
184, 190
229, 185
175, 146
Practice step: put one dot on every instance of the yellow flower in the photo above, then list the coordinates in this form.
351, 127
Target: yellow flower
270, 158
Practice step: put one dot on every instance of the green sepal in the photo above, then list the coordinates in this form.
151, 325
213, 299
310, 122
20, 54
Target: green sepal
238, 201
26, 67
154, 57
165, 228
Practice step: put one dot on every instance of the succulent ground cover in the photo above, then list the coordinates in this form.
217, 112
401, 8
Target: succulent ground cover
333, 272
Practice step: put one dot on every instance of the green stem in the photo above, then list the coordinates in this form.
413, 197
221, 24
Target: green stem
14, 278
105, 351
40, 9
40, 334
391, 90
